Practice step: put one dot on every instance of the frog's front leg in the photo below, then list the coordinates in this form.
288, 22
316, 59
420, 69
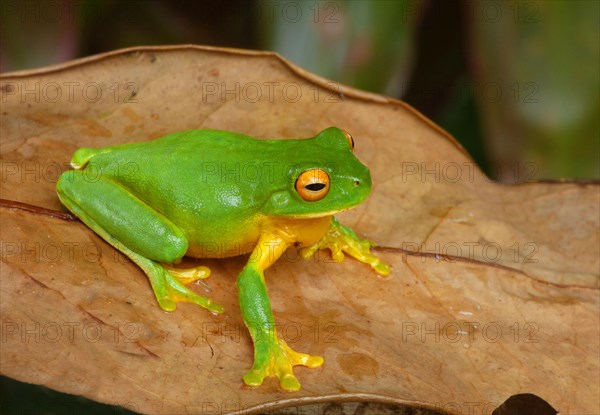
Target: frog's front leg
339, 239
272, 356
138, 231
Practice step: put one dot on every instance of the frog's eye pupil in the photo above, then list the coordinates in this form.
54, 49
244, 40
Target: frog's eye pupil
315, 187
312, 185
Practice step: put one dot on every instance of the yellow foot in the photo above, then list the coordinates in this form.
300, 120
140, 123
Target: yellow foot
171, 289
188, 275
340, 239
276, 358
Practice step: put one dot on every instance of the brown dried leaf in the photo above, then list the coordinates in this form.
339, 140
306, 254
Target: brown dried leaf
502, 299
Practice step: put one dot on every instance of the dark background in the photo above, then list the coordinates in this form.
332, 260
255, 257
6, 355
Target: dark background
516, 82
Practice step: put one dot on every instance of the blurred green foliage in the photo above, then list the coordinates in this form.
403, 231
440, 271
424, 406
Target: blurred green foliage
545, 59
364, 44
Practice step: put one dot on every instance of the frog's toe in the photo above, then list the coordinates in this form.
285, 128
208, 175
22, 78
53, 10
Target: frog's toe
287, 380
306, 253
254, 377
188, 275
278, 359
313, 361
167, 304
335, 248
213, 307
337, 255
295, 358
367, 244
289, 383
191, 297
381, 268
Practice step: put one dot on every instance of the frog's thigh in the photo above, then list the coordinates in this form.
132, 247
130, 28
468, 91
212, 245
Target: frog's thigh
108, 208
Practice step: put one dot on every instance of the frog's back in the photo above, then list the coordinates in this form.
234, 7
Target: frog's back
194, 168
192, 140
191, 175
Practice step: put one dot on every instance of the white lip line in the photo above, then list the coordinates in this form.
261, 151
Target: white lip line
319, 215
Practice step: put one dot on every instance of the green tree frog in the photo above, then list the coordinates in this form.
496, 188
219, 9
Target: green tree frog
209, 193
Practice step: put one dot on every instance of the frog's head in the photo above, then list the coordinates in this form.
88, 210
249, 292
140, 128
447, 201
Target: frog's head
324, 177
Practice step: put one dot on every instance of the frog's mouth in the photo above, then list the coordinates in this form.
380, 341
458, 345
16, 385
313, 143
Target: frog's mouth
316, 213
320, 214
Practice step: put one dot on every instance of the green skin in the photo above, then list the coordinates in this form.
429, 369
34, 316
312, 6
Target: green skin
207, 193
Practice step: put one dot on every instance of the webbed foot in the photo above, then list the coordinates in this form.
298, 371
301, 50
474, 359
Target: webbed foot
276, 358
340, 239
169, 287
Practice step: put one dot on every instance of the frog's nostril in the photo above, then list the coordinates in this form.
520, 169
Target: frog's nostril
357, 182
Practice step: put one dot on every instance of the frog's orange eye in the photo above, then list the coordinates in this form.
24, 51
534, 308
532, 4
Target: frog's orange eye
312, 185
349, 138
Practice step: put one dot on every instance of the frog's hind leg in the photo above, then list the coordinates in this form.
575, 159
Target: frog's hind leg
138, 231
